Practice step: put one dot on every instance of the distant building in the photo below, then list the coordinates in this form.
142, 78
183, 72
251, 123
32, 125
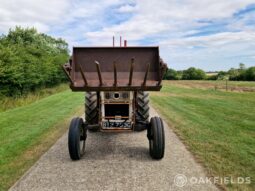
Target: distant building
212, 73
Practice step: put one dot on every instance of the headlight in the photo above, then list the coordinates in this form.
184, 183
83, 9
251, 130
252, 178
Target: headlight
116, 95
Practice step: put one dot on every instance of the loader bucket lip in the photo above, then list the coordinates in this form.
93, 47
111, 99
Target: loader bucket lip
102, 68
118, 88
115, 47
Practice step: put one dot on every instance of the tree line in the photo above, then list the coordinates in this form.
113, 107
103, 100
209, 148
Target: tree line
30, 60
240, 74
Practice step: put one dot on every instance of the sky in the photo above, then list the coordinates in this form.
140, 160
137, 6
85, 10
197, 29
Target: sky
208, 34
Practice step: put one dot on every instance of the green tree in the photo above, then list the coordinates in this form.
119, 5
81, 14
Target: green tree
250, 74
179, 75
30, 60
242, 66
193, 74
171, 74
234, 74
242, 71
221, 75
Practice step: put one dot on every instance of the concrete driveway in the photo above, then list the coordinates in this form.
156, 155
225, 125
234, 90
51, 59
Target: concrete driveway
116, 161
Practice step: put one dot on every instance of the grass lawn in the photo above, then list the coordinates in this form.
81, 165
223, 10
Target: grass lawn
28, 131
236, 86
245, 84
217, 126
7, 103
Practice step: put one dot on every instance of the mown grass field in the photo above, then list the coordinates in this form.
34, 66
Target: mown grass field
218, 127
236, 86
28, 131
7, 103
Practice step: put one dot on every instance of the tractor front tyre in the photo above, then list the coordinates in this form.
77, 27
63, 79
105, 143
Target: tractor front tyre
156, 136
76, 138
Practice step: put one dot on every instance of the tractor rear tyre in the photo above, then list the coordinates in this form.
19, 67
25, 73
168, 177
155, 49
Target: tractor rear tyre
76, 138
156, 136
142, 110
91, 109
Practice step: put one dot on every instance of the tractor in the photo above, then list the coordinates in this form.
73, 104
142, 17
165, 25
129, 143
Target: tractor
116, 81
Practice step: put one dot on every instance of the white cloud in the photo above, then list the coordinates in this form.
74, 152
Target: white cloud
214, 40
167, 23
213, 52
157, 17
127, 9
38, 13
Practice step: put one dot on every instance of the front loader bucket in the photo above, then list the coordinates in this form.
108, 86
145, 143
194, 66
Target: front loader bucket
115, 69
